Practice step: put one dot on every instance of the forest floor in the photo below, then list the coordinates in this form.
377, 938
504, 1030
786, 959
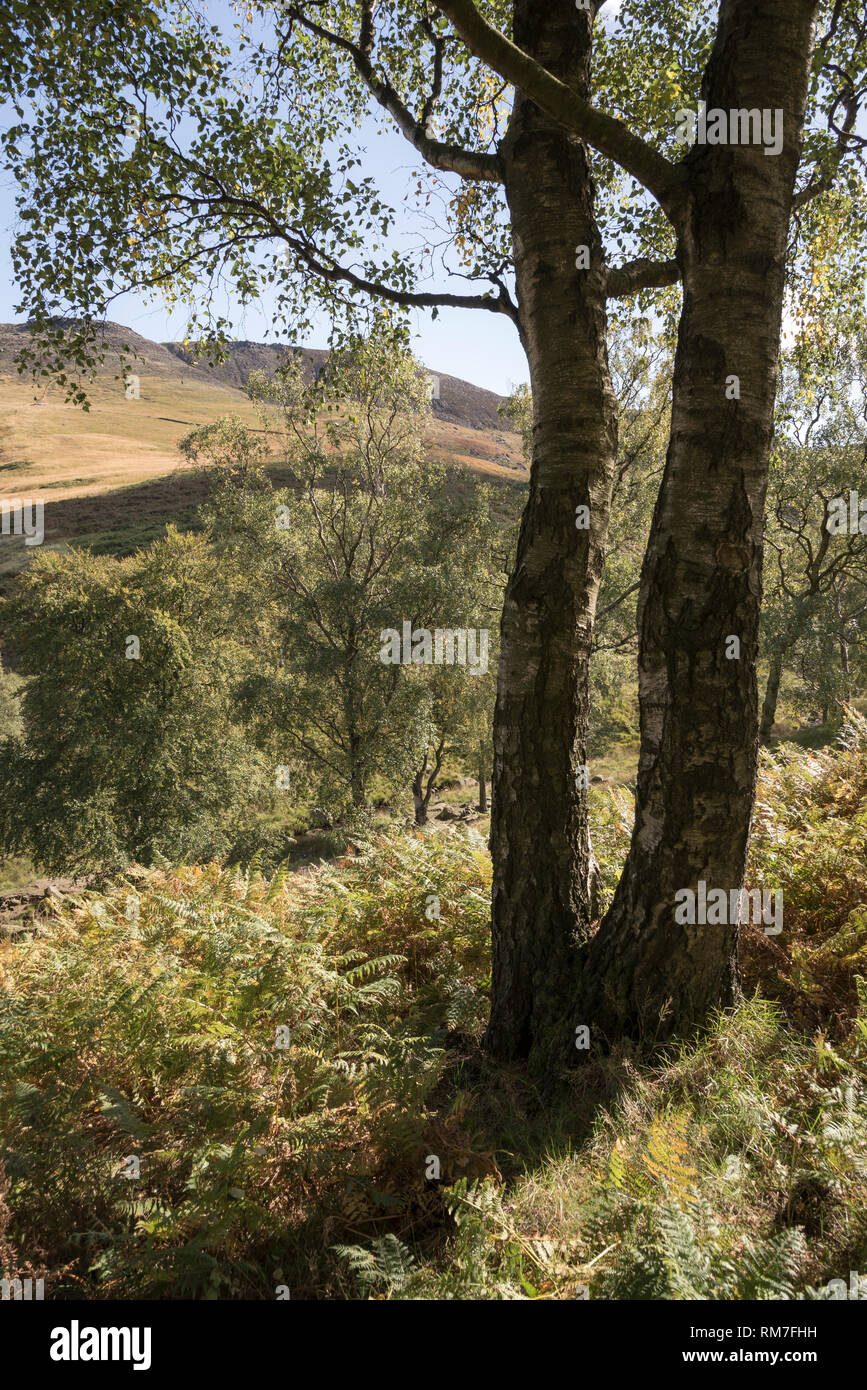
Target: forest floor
220, 1084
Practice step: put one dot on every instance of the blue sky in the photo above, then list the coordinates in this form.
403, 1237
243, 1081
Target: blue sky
476, 345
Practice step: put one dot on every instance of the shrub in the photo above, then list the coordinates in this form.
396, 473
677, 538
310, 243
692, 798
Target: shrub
144, 1024
810, 839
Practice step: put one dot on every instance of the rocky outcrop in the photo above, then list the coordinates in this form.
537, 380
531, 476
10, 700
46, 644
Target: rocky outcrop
23, 911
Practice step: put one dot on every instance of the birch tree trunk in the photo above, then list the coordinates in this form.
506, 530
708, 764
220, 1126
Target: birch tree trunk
539, 831
701, 581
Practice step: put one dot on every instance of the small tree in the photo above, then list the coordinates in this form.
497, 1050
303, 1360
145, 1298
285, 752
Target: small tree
347, 551
815, 594
230, 448
131, 750
466, 579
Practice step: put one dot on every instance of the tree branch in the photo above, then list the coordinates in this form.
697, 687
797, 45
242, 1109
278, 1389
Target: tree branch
606, 134
615, 602
496, 304
848, 98
452, 159
641, 274
499, 303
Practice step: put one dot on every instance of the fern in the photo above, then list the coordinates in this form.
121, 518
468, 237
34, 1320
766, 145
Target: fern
386, 1266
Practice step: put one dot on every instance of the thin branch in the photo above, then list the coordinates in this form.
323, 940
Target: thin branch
469, 164
845, 135
607, 134
500, 303
616, 602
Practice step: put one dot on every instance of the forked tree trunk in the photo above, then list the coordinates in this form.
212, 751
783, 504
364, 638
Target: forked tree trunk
772, 695
539, 834
701, 580
421, 789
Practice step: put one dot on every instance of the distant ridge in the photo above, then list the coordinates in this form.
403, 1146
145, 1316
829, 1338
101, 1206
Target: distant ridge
152, 356
245, 357
459, 401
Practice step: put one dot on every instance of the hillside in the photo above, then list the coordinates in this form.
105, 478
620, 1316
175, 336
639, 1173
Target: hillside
459, 402
122, 440
117, 467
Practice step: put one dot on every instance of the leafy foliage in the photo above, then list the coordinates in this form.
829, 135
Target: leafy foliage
145, 1023
10, 704
810, 839
170, 765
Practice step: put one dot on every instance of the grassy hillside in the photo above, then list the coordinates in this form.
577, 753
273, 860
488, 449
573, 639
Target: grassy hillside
112, 476
60, 449
54, 450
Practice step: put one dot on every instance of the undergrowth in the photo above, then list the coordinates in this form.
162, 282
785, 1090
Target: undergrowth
263, 1050
293, 1068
